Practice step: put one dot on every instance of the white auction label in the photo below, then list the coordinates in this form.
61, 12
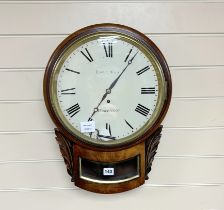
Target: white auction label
87, 127
108, 171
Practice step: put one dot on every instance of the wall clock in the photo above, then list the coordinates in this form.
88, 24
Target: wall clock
107, 88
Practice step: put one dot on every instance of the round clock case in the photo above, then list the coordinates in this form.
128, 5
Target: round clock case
107, 87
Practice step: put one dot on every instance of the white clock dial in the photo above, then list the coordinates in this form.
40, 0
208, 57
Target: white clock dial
112, 82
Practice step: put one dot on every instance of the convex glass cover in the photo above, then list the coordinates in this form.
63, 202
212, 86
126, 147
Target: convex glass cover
107, 87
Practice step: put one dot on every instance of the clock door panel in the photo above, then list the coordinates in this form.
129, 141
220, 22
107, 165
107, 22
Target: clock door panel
92, 169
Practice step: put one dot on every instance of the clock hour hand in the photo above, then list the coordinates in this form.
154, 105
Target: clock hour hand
96, 108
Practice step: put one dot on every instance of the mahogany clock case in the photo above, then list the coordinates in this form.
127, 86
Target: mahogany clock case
107, 27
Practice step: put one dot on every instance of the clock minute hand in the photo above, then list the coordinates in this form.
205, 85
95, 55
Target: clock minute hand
115, 81
108, 91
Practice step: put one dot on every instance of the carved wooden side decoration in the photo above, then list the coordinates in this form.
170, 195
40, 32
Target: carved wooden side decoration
151, 146
66, 148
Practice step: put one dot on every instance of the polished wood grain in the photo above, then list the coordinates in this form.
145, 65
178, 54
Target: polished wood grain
72, 153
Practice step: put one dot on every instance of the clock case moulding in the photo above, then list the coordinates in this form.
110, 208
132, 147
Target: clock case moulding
145, 146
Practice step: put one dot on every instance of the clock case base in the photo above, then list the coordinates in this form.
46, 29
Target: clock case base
143, 152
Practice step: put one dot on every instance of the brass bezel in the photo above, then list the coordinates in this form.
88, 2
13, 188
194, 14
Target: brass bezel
161, 84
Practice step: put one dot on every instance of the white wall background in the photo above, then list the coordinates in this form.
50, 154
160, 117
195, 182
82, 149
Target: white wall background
188, 172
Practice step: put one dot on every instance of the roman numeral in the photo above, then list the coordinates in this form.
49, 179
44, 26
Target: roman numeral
108, 128
142, 70
150, 90
68, 91
128, 55
128, 124
142, 110
88, 56
73, 110
72, 71
108, 50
